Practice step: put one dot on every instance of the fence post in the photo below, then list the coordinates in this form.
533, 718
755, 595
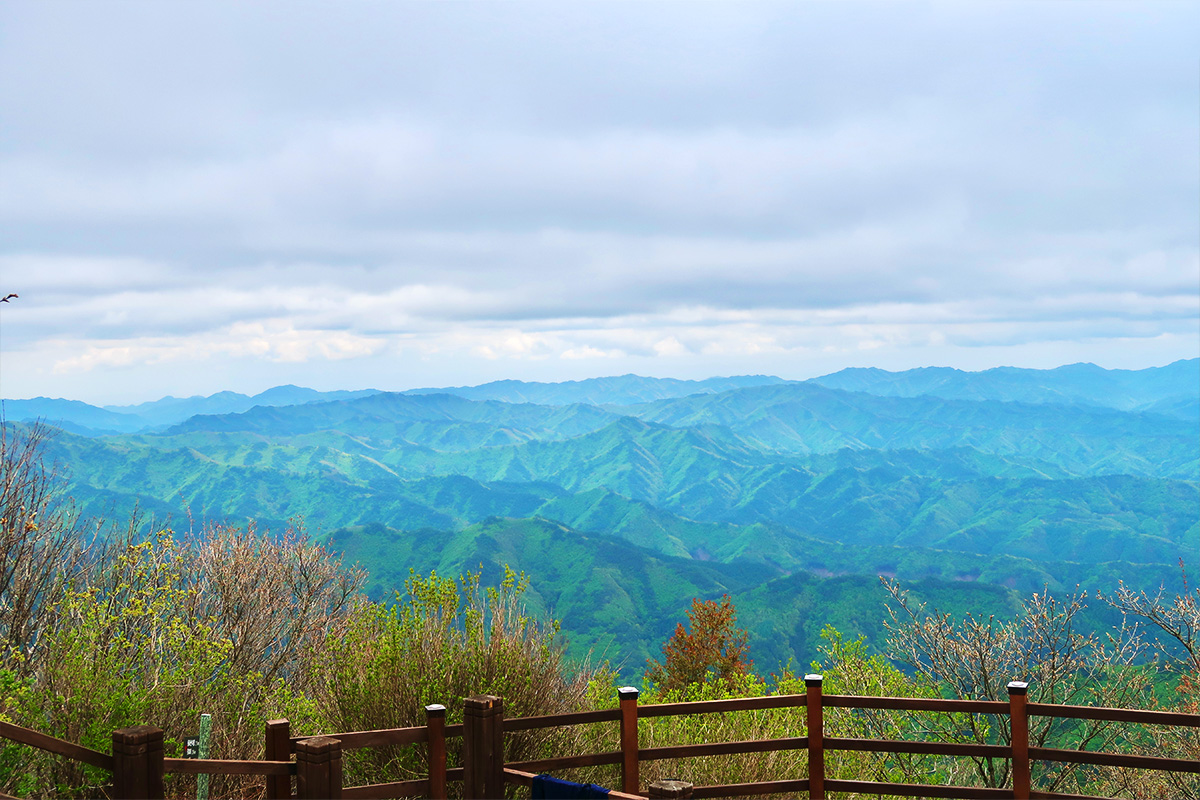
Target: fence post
629, 739
138, 763
319, 768
816, 736
203, 779
671, 789
1019, 719
279, 748
483, 747
435, 721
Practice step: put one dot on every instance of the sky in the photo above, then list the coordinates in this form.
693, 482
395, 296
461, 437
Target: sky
197, 197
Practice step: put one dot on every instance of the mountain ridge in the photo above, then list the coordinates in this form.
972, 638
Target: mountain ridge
1172, 390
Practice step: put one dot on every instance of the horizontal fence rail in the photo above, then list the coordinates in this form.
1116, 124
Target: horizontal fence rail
915, 704
41, 741
918, 748
1173, 718
314, 763
1114, 759
57, 746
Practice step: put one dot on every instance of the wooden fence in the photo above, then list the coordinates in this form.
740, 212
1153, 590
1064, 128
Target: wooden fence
138, 764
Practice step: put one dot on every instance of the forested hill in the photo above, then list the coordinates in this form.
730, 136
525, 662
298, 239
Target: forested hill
624, 498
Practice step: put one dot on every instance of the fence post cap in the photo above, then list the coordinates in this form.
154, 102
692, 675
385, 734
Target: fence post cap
626, 692
319, 744
813, 679
137, 734
1017, 687
435, 710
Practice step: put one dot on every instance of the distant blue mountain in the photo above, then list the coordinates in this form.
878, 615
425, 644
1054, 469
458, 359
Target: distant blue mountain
1173, 390
70, 415
172, 410
88, 420
618, 390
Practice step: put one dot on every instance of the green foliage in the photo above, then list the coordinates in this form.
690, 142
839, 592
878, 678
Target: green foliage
723, 727
849, 667
120, 655
442, 640
128, 644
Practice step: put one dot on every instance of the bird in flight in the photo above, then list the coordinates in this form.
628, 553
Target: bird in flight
8, 297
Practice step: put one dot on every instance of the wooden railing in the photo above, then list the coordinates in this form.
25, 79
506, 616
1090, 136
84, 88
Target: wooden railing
138, 765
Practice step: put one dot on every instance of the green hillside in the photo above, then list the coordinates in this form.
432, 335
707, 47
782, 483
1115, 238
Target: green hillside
617, 600
806, 418
655, 485
791, 497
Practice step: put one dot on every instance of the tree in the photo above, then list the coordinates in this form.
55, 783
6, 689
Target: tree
975, 659
42, 539
276, 597
153, 630
1177, 616
714, 650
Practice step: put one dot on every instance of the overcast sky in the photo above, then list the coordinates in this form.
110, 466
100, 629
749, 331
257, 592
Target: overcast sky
206, 196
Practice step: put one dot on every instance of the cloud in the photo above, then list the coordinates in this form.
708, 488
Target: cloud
278, 343
589, 352
608, 187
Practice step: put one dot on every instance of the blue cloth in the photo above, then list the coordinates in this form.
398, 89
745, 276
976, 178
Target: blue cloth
554, 789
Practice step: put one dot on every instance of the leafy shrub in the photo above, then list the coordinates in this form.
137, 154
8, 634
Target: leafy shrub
142, 638
707, 660
441, 640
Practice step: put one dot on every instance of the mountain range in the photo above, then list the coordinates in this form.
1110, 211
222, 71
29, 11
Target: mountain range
623, 498
1169, 390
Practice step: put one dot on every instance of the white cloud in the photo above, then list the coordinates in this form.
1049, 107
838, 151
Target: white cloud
484, 188
589, 352
278, 343
670, 346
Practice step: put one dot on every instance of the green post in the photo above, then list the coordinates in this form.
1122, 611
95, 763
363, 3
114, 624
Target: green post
202, 779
